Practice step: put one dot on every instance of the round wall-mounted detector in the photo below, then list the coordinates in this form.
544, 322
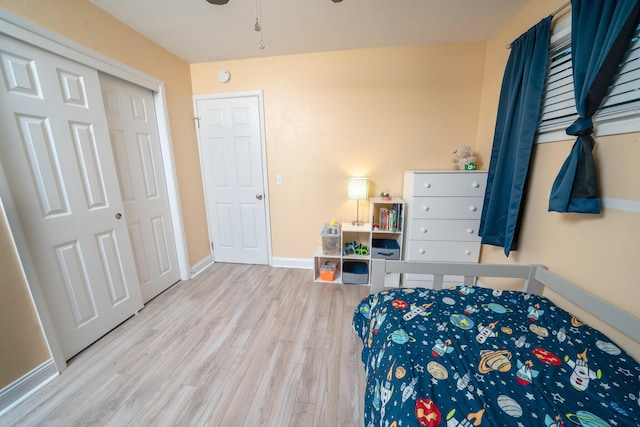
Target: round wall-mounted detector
224, 75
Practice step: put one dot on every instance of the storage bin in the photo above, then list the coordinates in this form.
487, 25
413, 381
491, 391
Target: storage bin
328, 270
355, 272
385, 249
331, 240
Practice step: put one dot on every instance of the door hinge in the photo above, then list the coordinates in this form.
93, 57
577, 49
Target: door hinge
211, 245
197, 119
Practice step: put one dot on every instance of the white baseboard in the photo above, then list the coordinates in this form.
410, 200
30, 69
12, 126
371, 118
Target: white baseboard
306, 263
201, 265
278, 262
25, 386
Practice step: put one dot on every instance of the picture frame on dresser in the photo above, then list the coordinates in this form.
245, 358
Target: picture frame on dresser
442, 218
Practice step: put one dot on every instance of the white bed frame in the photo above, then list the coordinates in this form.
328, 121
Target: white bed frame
536, 278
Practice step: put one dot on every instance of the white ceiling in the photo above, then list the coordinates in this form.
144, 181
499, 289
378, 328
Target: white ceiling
197, 31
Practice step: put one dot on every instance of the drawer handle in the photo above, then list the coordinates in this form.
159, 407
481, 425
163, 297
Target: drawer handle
476, 185
467, 252
427, 185
422, 251
424, 230
473, 208
425, 208
470, 230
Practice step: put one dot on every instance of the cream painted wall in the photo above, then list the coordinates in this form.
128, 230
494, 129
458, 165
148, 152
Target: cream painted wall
371, 112
81, 21
598, 252
23, 344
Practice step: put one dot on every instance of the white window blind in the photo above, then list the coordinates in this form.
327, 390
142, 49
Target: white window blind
619, 111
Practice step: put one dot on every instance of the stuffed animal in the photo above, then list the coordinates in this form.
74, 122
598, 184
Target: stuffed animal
464, 158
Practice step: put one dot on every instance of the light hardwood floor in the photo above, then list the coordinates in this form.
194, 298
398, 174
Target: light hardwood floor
238, 345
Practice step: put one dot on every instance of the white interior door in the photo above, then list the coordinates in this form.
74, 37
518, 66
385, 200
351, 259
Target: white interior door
55, 152
231, 158
136, 145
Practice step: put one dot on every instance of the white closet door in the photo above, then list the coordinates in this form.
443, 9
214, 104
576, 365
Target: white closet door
136, 145
57, 158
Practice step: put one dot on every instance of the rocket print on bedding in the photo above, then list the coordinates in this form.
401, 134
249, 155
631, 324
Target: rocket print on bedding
470, 356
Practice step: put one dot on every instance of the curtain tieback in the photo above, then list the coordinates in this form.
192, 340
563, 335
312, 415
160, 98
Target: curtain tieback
580, 127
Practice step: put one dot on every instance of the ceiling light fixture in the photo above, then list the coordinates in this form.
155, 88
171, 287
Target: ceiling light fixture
218, 2
257, 25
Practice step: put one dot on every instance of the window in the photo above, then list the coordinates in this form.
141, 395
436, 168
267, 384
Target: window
620, 110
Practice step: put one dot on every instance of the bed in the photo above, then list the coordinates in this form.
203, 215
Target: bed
471, 356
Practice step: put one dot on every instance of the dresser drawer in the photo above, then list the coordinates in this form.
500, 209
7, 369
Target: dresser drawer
432, 250
449, 184
462, 230
446, 207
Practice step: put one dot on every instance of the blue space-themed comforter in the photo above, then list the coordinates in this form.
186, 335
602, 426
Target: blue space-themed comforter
470, 356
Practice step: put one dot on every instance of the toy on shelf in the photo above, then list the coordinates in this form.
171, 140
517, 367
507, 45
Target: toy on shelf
385, 196
331, 238
464, 158
354, 248
328, 271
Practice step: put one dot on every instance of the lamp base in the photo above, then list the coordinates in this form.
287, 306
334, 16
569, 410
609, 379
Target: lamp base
357, 221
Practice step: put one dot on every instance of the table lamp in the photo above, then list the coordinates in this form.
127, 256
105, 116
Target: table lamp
358, 189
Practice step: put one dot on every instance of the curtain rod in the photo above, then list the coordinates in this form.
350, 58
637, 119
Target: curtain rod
558, 10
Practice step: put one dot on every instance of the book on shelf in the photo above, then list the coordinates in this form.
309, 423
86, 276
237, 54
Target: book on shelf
392, 223
390, 219
384, 217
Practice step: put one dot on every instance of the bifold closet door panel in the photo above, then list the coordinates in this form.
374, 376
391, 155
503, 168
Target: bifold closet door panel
57, 159
135, 140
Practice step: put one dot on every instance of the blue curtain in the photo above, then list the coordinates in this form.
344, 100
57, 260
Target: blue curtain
518, 112
600, 34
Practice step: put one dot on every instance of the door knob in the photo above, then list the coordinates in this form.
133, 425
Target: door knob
118, 215
259, 196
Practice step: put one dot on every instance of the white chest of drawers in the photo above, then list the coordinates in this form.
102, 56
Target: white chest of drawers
442, 218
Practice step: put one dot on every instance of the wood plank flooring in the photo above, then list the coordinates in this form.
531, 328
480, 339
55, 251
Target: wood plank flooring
239, 345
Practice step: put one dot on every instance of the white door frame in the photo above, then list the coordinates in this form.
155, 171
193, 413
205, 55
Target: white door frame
28, 32
263, 149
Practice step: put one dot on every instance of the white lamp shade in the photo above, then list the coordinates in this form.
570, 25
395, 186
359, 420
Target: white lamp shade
358, 189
